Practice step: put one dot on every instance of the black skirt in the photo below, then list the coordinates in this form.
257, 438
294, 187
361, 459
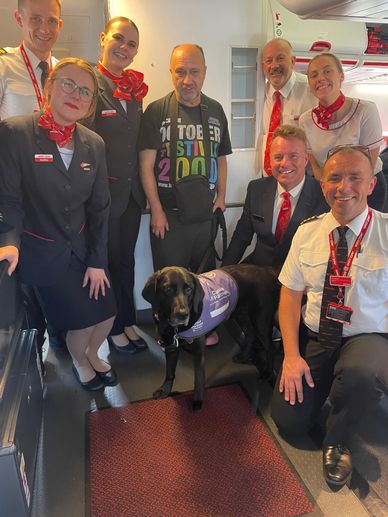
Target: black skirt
66, 304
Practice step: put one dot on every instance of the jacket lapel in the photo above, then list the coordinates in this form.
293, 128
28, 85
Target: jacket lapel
106, 92
267, 203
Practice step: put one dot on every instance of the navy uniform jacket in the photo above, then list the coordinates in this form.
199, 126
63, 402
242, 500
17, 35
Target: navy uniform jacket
257, 219
54, 211
115, 125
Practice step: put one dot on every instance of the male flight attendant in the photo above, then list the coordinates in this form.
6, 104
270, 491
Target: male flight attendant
336, 348
23, 72
287, 94
24, 68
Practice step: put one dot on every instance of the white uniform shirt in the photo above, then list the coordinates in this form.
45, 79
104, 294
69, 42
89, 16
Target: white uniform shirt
306, 264
296, 99
294, 196
361, 125
17, 93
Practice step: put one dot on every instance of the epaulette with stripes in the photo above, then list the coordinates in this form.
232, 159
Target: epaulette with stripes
3, 51
309, 219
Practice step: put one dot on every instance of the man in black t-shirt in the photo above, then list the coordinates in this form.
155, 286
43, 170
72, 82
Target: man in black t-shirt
194, 116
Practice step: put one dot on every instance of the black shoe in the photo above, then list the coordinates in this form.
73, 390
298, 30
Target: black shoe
127, 349
94, 384
139, 343
109, 378
337, 465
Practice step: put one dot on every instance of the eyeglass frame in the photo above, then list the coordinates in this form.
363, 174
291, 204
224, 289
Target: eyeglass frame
351, 147
76, 87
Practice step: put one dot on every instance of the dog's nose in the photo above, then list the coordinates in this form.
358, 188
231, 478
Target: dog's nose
181, 314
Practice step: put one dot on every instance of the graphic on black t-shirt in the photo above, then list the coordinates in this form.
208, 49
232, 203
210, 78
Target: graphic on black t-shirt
190, 153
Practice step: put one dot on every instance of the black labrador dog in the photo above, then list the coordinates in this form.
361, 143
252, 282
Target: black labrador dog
176, 296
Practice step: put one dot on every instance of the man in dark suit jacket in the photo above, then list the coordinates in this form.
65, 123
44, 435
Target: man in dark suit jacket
264, 201
264, 204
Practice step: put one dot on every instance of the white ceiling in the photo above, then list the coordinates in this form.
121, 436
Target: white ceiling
375, 11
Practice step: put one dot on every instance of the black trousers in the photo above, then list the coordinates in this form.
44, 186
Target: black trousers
183, 245
122, 237
354, 376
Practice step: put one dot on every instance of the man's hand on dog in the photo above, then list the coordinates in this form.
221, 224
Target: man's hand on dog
294, 368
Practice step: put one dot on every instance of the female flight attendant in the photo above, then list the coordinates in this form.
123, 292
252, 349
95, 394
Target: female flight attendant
117, 120
339, 120
54, 193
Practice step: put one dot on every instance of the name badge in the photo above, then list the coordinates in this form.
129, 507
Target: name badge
108, 113
340, 313
340, 281
85, 166
39, 158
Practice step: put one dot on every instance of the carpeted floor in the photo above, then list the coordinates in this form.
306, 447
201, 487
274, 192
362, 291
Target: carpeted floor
159, 458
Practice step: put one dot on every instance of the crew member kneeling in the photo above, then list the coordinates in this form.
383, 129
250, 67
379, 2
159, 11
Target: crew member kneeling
340, 350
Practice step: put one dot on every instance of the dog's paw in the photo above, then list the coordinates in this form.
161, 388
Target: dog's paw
163, 392
197, 405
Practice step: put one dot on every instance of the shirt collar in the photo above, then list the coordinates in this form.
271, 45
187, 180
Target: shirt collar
294, 192
287, 88
355, 224
34, 60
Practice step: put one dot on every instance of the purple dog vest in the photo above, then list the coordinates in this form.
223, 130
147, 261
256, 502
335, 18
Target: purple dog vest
219, 301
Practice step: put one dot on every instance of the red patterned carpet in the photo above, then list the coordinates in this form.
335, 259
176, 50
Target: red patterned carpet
161, 459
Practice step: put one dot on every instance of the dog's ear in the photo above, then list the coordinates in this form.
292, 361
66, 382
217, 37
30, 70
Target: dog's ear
198, 295
149, 290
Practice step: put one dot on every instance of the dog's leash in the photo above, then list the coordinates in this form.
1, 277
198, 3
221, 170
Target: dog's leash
218, 221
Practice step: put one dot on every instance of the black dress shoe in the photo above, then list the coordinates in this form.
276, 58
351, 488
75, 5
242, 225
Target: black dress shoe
139, 343
109, 378
127, 349
94, 384
337, 465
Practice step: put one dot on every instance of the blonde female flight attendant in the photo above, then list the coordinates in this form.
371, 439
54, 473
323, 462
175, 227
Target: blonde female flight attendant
117, 120
340, 120
54, 193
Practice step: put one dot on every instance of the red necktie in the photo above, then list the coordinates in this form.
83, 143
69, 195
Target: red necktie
273, 124
284, 216
330, 331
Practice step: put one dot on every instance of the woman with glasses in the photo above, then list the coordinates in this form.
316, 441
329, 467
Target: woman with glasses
54, 193
117, 120
340, 120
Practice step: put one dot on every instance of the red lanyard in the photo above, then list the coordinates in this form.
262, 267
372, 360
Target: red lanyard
32, 74
341, 278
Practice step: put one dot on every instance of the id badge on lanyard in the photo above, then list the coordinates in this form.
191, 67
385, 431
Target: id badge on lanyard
338, 311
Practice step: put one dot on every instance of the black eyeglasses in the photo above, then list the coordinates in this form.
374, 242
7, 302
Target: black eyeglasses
354, 147
69, 86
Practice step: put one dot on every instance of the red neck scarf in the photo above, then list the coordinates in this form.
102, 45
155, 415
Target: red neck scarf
61, 135
129, 84
324, 114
